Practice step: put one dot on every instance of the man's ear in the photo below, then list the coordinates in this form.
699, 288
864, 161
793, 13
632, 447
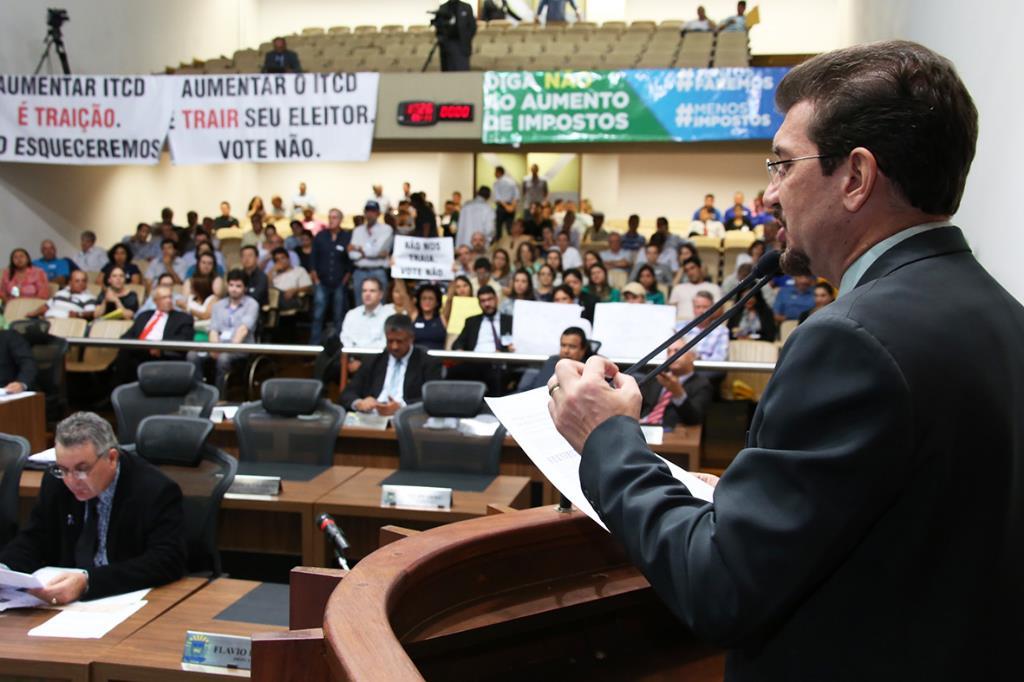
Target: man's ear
860, 179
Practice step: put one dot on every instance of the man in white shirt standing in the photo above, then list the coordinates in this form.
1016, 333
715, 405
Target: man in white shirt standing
476, 216
364, 325
370, 248
302, 201
385, 203
506, 198
91, 258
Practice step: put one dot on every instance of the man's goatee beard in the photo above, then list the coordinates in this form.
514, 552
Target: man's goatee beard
795, 263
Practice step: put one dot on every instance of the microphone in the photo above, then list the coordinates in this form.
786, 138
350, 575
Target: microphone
766, 268
325, 522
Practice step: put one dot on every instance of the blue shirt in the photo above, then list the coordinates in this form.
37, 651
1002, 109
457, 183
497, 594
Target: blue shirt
104, 501
330, 258
58, 267
633, 242
790, 303
714, 211
730, 213
556, 9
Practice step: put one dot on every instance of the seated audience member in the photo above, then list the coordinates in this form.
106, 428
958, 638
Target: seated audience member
596, 232
572, 345
202, 244
598, 286
649, 281
364, 325
652, 259
633, 241
302, 201
254, 236
293, 241
476, 216
274, 242
633, 292
483, 276
428, 326
571, 257
679, 396
714, 346
754, 321
570, 229
74, 300
255, 206
547, 278
574, 279
738, 221
142, 246
394, 378
708, 208
311, 223
515, 238
669, 242
590, 258
22, 279
758, 213
553, 259
91, 258
17, 366
225, 219
737, 208
501, 270
198, 302
563, 294
58, 270
699, 25
461, 286
398, 296
736, 22
168, 262
743, 268
206, 267
161, 323
794, 299
547, 239
706, 225
521, 289
824, 294
478, 246
615, 257
117, 301
488, 332
526, 258
163, 280
281, 59
120, 256
234, 320
463, 264
111, 518
693, 281
257, 284
293, 282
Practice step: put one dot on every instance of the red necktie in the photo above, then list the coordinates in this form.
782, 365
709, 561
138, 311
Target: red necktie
657, 414
149, 326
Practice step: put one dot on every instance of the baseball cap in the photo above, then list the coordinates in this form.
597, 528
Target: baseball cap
634, 288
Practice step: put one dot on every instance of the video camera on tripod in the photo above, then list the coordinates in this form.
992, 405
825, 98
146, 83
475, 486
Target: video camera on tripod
443, 21
55, 18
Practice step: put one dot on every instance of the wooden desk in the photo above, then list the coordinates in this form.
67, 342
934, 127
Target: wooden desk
355, 505
59, 658
281, 524
154, 652
26, 417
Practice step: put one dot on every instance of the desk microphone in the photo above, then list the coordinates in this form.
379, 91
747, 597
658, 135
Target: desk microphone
766, 268
325, 522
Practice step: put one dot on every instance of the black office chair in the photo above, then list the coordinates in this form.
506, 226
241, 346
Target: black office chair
433, 436
291, 424
49, 352
14, 452
163, 388
177, 445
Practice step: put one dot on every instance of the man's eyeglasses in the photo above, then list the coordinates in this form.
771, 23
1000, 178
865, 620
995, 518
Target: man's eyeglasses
81, 474
777, 169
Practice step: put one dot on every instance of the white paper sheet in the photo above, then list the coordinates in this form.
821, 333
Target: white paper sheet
6, 397
526, 417
48, 456
654, 435
86, 623
537, 326
223, 413
19, 581
11, 598
630, 331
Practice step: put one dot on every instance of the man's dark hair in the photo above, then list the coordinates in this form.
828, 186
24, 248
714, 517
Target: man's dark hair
634, 218
709, 196
484, 192
169, 241
499, 169
485, 289
657, 240
482, 263
576, 331
166, 211
238, 275
565, 289
89, 234
901, 101
398, 323
826, 287
247, 247
662, 220
375, 280
572, 272
293, 223
140, 226
279, 251
694, 260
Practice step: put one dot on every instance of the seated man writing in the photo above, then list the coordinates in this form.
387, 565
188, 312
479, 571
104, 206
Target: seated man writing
114, 520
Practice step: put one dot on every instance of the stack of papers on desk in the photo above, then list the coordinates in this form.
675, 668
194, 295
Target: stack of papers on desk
42, 460
91, 619
7, 397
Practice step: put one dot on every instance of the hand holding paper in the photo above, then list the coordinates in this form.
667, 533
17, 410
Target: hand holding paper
584, 399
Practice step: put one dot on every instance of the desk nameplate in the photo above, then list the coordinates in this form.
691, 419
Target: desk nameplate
416, 497
222, 651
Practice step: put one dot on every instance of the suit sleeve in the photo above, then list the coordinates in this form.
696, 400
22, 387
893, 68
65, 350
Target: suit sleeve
21, 354
699, 395
185, 331
834, 448
31, 548
163, 559
356, 388
462, 340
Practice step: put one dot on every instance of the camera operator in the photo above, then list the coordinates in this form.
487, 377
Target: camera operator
455, 26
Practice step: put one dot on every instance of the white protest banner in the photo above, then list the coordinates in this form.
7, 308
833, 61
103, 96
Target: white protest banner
537, 326
616, 326
273, 118
423, 258
83, 120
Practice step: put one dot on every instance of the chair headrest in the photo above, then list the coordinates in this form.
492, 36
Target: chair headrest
35, 330
170, 439
463, 399
166, 378
291, 397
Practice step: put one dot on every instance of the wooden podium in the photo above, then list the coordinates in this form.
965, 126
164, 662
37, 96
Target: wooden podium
535, 593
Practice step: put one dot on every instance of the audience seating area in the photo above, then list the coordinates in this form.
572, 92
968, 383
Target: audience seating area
499, 46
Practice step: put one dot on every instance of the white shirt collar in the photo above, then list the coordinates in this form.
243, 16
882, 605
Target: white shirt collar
860, 266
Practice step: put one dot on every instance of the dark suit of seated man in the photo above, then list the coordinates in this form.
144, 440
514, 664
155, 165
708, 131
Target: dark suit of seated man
395, 378
484, 333
281, 59
679, 396
113, 518
163, 324
17, 366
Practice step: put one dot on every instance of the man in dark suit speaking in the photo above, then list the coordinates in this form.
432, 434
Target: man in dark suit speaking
872, 529
394, 378
114, 520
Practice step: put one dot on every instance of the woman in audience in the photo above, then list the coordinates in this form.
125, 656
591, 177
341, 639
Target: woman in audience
823, 295
755, 321
546, 280
21, 279
424, 220
599, 287
743, 268
501, 270
526, 258
574, 278
649, 281
553, 259
255, 206
398, 296
562, 294
199, 302
428, 327
590, 259
521, 290
120, 257
547, 238
739, 221
461, 286
205, 249
206, 266
756, 250
117, 301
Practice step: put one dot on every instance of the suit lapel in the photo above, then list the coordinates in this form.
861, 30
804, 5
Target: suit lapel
938, 242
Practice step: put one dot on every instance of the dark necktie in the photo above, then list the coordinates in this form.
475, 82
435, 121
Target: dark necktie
85, 548
494, 331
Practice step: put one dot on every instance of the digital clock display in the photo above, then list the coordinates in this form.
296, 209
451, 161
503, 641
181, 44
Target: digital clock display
420, 113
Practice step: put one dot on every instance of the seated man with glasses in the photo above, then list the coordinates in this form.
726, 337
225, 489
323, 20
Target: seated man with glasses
114, 520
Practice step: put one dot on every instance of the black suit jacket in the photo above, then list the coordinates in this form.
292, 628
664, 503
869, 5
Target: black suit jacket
699, 395
16, 361
468, 338
873, 529
145, 539
369, 380
271, 62
179, 326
